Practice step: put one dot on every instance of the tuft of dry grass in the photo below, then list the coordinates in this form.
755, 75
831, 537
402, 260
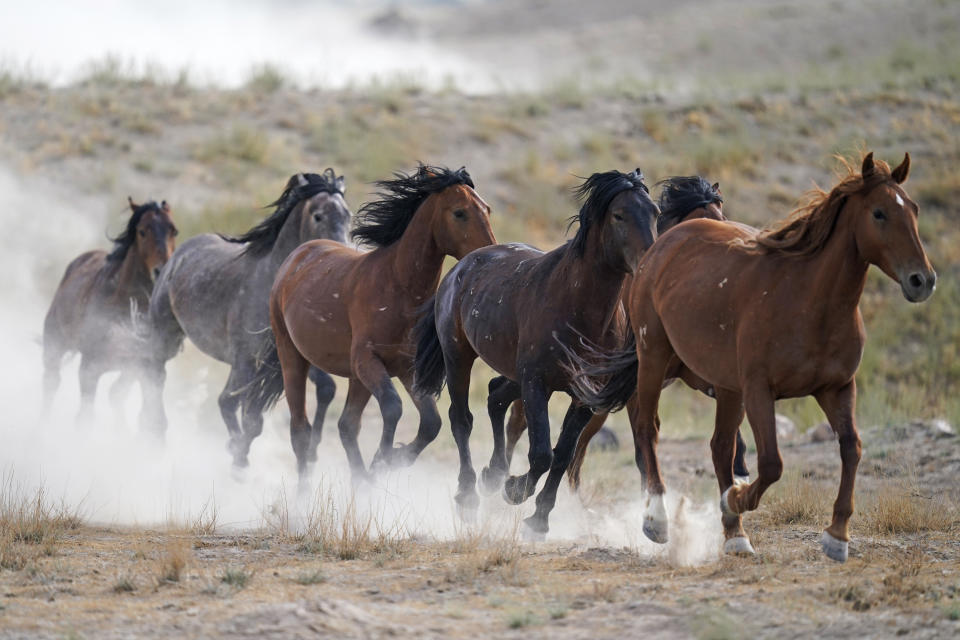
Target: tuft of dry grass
902, 510
173, 561
797, 500
30, 524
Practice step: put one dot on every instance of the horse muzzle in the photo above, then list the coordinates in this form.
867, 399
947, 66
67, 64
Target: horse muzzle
918, 285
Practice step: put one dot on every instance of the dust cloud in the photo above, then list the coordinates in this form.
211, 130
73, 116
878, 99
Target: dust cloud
114, 476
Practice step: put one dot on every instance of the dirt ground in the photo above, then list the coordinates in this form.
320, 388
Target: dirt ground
111, 582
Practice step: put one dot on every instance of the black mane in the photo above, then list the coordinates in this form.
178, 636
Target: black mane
597, 192
123, 242
681, 195
382, 222
261, 238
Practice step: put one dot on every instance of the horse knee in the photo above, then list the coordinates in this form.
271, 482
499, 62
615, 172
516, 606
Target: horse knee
850, 449
540, 462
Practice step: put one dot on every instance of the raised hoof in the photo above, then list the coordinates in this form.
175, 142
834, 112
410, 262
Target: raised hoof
835, 549
531, 531
491, 481
739, 546
725, 503
515, 490
739, 480
655, 530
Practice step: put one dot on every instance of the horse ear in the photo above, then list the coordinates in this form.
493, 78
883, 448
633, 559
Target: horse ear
165, 207
868, 167
340, 184
900, 173
133, 207
302, 180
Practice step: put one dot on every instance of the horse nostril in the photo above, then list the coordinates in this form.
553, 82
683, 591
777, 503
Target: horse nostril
916, 280
156, 272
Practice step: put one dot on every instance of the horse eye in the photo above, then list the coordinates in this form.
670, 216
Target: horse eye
142, 233
617, 216
879, 215
175, 233
460, 214
317, 217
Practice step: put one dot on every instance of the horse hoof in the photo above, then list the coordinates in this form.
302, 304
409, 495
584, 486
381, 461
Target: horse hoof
835, 549
531, 531
739, 546
739, 480
725, 508
656, 530
514, 490
403, 456
491, 480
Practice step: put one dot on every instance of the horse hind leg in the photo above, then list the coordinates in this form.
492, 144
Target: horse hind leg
516, 425
502, 394
326, 389
458, 366
349, 427
52, 359
229, 401
592, 428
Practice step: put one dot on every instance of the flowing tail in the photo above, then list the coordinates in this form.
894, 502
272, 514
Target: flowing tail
266, 387
603, 381
430, 372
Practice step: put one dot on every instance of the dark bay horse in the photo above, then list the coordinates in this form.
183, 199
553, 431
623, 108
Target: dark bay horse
512, 305
681, 198
763, 316
350, 313
93, 308
216, 289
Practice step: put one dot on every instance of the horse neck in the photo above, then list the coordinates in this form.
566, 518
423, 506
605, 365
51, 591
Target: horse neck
287, 240
837, 273
596, 285
132, 280
415, 258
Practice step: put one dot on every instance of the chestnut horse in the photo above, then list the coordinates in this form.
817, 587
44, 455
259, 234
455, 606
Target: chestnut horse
215, 290
681, 198
93, 308
350, 313
763, 316
510, 305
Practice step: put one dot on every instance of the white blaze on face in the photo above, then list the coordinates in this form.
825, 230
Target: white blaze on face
899, 200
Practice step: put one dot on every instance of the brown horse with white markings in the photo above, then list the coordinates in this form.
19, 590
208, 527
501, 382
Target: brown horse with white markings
92, 309
764, 316
350, 313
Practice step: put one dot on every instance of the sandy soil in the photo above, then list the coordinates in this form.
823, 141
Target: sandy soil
108, 581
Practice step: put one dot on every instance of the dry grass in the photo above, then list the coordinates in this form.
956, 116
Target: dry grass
796, 499
30, 524
901, 509
173, 560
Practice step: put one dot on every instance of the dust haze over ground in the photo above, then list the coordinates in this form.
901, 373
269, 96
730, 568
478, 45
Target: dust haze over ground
171, 542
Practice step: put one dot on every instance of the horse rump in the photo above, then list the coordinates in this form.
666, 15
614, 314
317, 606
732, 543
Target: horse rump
430, 372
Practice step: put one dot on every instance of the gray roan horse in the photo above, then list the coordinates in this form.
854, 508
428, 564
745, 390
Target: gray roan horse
91, 311
215, 290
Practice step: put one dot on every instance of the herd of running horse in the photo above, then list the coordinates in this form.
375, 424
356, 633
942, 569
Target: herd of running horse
646, 292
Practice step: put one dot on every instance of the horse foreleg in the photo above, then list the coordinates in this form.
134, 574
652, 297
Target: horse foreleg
349, 427
91, 368
723, 444
52, 359
758, 402
591, 429
370, 370
229, 401
740, 471
326, 388
573, 424
535, 397
501, 393
838, 405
